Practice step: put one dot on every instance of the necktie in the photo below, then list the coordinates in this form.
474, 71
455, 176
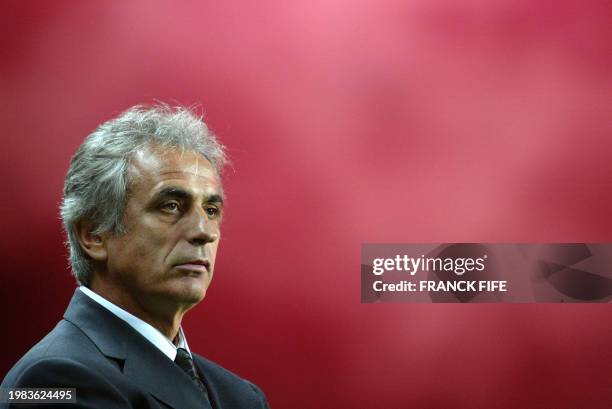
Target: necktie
185, 362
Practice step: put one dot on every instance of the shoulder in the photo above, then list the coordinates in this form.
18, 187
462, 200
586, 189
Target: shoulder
64, 352
228, 385
66, 358
47, 371
91, 389
65, 343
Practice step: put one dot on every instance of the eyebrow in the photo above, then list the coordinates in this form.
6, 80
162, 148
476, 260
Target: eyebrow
180, 193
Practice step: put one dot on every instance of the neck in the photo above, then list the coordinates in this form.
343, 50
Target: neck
159, 313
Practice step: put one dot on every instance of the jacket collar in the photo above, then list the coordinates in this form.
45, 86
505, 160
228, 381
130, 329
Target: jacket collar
145, 365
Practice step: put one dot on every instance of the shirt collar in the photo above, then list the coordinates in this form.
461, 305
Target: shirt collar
145, 329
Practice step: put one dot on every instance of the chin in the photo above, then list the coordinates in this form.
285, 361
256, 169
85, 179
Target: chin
180, 290
191, 293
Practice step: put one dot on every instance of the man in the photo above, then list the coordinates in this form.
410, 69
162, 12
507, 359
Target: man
142, 209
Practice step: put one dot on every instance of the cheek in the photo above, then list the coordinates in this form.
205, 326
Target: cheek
152, 238
154, 248
212, 253
143, 250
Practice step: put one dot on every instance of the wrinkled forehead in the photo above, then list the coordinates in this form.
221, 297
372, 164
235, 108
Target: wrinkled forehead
158, 162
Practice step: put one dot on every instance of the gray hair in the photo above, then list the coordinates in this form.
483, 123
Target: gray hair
97, 182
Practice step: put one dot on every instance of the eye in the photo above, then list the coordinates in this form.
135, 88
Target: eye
212, 211
171, 207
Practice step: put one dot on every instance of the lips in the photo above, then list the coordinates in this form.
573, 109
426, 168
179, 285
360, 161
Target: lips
199, 266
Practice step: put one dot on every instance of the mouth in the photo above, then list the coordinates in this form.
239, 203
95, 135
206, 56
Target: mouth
195, 267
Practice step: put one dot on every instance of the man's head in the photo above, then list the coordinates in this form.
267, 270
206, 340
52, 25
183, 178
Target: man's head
143, 204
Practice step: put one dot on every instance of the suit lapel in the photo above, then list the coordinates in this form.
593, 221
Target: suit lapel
150, 369
211, 387
145, 365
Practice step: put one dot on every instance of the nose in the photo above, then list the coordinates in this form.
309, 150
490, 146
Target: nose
200, 230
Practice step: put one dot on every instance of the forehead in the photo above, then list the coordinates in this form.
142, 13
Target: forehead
152, 167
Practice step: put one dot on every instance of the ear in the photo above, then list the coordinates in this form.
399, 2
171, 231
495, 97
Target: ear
92, 244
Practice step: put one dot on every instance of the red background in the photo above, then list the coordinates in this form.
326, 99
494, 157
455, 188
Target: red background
347, 122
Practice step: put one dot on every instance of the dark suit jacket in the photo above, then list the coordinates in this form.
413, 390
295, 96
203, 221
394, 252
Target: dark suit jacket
112, 366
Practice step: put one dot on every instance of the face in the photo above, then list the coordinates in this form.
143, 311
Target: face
172, 218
